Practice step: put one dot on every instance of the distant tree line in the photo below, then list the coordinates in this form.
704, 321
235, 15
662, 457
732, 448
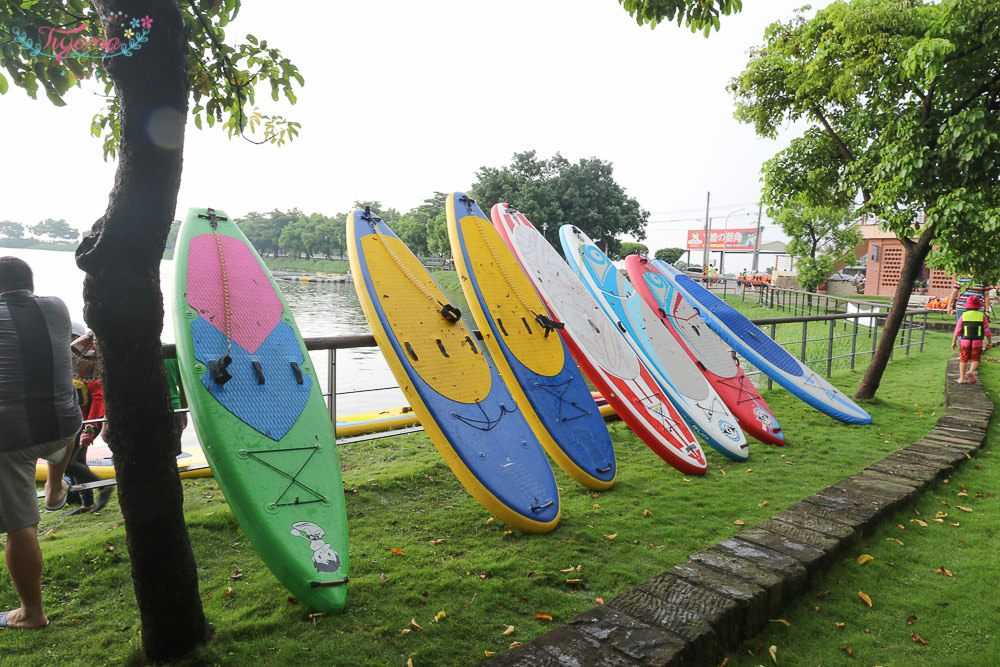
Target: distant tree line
17, 235
549, 192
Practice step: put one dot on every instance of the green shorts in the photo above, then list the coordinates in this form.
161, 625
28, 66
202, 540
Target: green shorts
18, 494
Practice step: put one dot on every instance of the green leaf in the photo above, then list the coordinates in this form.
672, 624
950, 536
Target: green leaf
3, 84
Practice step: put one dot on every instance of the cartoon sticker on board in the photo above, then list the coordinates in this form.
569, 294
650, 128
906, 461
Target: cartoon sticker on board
324, 557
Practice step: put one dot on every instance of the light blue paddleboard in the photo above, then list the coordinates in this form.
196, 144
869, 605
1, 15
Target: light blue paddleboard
687, 388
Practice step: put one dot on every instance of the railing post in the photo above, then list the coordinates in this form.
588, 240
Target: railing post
331, 384
805, 335
829, 348
854, 343
770, 382
923, 333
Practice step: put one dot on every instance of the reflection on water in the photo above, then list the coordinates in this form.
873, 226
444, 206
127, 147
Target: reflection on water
320, 309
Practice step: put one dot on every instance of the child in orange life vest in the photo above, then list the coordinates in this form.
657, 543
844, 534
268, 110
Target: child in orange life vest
972, 327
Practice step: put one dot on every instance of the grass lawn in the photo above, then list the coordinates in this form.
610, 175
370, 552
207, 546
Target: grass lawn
435, 580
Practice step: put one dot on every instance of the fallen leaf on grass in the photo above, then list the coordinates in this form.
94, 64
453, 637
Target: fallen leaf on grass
396, 551
849, 651
509, 631
739, 522
611, 537
943, 571
964, 509
893, 539
910, 619
647, 513
919, 522
780, 620
864, 558
438, 616
489, 654
917, 638
413, 624
841, 625
543, 616
514, 644
773, 652
599, 600
863, 596
439, 541
316, 615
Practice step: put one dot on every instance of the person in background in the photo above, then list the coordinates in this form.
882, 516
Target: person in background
90, 395
39, 418
964, 288
972, 328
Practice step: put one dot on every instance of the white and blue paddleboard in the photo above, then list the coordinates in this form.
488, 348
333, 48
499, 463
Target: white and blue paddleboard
760, 350
455, 392
701, 406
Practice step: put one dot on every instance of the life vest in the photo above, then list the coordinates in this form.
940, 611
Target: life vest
973, 325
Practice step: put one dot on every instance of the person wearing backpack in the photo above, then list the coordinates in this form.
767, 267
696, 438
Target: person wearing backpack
972, 328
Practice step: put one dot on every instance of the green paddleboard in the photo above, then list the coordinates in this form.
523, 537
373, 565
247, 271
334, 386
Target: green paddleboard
258, 409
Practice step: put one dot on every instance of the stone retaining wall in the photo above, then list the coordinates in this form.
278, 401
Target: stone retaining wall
697, 610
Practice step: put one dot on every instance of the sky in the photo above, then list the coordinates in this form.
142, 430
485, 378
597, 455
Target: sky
406, 98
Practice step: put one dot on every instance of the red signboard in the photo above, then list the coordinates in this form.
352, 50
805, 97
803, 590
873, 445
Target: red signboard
731, 239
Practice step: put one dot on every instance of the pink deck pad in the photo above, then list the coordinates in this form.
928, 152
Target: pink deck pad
254, 306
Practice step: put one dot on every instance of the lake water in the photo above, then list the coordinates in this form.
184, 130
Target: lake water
320, 309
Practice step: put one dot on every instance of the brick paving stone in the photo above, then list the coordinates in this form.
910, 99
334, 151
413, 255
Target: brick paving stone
722, 613
901, 467
824, 541
805, 516
776, 588
638, 641
868, 476
811, 557
673, 619
751, 600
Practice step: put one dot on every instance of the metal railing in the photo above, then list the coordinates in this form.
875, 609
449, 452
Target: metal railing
859, 327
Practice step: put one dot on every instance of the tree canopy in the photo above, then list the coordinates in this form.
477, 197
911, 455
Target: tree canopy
54, 45
669, 255
555, 192
897, 101
696, 14
820, 238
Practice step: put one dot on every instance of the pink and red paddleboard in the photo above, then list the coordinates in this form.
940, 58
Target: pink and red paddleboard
711, 355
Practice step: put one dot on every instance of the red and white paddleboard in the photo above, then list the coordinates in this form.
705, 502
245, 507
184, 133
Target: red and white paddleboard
599, 347
712, 356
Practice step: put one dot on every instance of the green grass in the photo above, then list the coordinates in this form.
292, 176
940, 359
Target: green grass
484, 577
934, 582
336, 266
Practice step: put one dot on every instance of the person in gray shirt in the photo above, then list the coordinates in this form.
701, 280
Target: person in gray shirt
39, 418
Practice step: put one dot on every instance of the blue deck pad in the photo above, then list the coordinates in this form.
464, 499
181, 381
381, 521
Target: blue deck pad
271, 408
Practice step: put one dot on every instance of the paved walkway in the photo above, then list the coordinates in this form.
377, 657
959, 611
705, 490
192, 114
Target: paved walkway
701, 608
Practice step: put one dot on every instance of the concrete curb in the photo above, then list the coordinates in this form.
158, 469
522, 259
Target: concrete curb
721, 596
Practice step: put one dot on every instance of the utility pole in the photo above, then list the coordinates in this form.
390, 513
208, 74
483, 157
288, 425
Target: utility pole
708, 222
756, 245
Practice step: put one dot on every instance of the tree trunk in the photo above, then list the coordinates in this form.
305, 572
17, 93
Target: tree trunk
124, 307
915, 254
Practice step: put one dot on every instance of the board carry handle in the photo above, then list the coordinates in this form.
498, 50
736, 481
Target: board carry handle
297, 372
548, 324
338, 582
220, 374
449, 312
608, 469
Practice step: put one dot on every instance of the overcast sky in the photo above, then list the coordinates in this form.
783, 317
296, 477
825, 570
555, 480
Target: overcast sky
406, 98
